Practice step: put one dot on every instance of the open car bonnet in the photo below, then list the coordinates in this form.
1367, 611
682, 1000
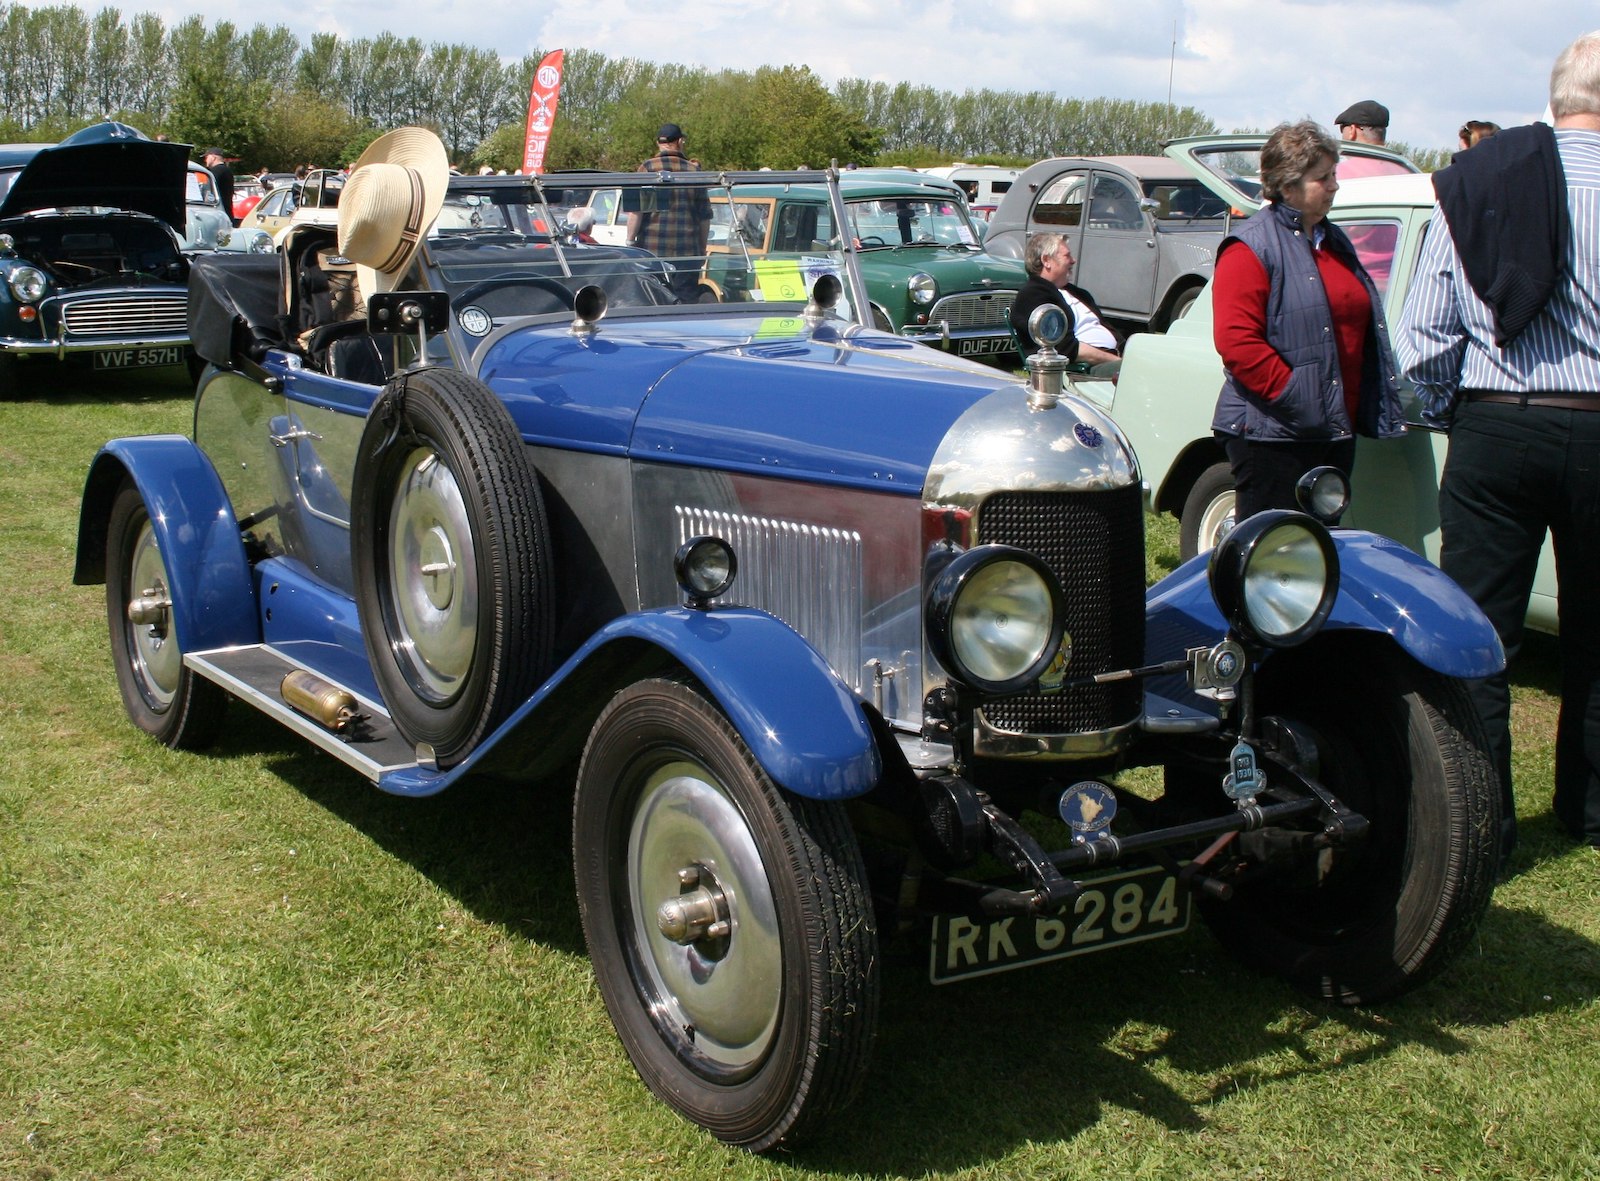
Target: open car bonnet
109, 165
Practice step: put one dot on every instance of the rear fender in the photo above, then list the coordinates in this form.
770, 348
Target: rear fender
801, 722
1383, 587
213, 604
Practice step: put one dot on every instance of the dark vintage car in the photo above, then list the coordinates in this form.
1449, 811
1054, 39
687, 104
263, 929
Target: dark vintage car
848, 640
90, 265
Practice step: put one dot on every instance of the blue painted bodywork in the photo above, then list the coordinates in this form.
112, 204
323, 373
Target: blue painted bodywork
802, 724
213, 600
1383, 587
719, 393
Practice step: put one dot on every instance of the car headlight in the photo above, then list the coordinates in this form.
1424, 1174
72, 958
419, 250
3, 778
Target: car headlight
705, 568
1324, 492
261, 244
923, 288
1275, 577
994, 618
29, 284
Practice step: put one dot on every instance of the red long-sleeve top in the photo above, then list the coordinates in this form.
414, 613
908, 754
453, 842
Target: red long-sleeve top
1239, 329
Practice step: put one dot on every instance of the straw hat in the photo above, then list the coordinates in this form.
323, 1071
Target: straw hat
394, 192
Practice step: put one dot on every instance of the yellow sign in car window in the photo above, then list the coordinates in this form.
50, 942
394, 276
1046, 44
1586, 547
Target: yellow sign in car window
779, 279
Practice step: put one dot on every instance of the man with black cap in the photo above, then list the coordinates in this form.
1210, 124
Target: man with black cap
1365, 122
223, 175
672, 225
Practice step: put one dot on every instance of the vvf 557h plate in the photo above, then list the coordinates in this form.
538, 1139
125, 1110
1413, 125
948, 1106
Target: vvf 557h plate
1113, 910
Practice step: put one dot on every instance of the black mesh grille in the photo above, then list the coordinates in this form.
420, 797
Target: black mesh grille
1094, 541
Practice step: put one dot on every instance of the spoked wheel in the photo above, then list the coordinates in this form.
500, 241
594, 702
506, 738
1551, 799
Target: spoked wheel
449, 551
1402, 746
728, 921
1208, 511
162, 697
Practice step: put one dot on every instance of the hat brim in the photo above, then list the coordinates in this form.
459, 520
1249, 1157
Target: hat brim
417, 154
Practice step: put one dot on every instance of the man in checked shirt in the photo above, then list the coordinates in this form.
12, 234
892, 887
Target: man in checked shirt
672, 225
1501, 334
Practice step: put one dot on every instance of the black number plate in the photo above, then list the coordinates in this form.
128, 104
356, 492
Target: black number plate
1121, 908
167, 354
983, 347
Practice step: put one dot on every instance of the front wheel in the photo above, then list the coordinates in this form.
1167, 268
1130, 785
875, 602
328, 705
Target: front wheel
1403, 746
728, 921
1208, 511
163, 697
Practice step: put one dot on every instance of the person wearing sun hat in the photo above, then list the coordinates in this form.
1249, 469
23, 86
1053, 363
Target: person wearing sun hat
394, 192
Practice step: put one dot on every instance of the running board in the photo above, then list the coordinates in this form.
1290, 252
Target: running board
255, 675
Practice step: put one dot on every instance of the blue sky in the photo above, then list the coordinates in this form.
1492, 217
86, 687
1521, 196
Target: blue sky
1245, 63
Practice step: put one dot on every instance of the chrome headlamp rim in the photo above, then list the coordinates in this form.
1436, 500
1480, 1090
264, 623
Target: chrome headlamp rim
923, 288
1275, 577
29, 284
952, 614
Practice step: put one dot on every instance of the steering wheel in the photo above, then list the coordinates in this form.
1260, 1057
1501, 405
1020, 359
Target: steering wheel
539, 282
870, 240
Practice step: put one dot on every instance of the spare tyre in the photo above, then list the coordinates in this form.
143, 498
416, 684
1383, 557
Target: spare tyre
450, 555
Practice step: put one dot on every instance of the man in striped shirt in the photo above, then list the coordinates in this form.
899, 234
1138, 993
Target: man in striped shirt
1501, 335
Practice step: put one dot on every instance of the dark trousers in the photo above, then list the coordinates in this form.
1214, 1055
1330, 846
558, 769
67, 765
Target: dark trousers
1514, 472
1265, 474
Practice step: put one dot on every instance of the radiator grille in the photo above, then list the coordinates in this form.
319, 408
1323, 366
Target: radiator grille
989, 309
133, 315
1094, 542
807, 575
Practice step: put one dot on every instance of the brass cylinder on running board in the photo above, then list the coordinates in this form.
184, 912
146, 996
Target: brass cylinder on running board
322, 702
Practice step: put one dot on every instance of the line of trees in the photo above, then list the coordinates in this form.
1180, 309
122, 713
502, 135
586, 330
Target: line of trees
269, 99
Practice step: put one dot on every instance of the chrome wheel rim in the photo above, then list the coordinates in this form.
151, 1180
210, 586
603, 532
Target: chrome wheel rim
1217, 521
433, 573
716, 995
153, 652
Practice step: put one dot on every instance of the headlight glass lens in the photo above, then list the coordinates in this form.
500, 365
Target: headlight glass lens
28, 284
1002, 622
923, 287
1285, 582
1324, 492
1275, 577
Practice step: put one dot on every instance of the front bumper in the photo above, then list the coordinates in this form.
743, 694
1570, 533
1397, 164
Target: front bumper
963, 342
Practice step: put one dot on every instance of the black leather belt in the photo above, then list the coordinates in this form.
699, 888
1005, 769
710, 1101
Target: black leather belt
1555, 401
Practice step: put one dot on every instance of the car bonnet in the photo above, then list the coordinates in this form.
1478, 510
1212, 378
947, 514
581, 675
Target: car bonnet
107, 165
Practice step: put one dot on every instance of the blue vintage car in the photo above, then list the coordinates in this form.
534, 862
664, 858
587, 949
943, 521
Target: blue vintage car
90, 265
847, 639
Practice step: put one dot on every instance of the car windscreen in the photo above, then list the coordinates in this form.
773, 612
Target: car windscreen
891, 222
525, 248
1241, 167
1184, 201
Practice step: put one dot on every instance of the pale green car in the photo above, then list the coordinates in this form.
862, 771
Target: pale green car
1168, 390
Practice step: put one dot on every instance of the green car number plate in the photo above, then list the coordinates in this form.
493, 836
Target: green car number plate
167, 354
1120, 908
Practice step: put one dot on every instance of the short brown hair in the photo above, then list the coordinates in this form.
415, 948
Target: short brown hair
1291, 151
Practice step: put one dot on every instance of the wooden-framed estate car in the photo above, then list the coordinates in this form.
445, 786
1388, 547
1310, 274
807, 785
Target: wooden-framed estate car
1145, 229
804, 615
1168, 389
90, 263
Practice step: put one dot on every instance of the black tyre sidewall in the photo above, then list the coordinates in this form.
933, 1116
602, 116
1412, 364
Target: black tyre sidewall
1213, 482
818, 1054
194, 717
1428, 869
470, 431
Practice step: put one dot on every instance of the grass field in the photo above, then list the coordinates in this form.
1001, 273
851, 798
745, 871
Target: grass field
250, 964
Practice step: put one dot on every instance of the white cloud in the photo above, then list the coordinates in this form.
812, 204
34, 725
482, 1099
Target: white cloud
1434, 63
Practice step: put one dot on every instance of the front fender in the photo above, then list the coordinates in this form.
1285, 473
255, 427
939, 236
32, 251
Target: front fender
1383, 587
213, 604
800, 721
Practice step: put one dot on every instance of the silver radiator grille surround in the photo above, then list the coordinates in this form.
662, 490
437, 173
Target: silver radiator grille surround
809, 576
126, 316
